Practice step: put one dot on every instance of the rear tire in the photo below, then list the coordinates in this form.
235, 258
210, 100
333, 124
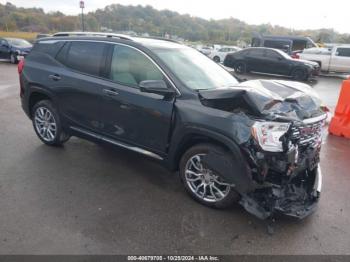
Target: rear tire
47, 124
216, 59
240, 68
214, 192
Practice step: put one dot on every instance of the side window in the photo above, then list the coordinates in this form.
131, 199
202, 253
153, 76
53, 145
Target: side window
85, 57
256, 53
272, 55
343, 52
131, 67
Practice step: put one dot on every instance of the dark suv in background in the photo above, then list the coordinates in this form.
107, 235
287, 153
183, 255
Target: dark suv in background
256, 142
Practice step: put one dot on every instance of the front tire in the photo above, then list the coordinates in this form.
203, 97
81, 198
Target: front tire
13, 58
202, 184
47, 124
300, 75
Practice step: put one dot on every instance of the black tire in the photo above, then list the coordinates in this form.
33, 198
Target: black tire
300, 74
230, 198
60, 136
240, 68
216, 59
13, 58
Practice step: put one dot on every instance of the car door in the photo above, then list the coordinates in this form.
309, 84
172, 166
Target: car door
341, 60
4, 49
254, 59
275, 63
78, 83
129, 115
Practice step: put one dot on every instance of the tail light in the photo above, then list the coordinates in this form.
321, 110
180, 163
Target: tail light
20, 66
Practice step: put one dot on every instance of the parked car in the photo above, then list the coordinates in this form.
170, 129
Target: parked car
256, 142
271, 61
14, 49
206, 50
287, 44
336, 59
220, 54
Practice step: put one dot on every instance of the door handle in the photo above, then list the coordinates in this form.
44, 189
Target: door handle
110, 92
55, 77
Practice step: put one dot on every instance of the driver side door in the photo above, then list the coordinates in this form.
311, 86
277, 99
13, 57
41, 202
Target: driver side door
130, 115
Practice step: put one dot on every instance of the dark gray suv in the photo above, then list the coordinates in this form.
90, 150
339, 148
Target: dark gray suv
256, 142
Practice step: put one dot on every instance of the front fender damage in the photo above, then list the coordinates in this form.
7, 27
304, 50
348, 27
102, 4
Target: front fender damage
295, 196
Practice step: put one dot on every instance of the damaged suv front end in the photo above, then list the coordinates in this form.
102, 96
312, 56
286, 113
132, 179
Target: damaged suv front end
280, 137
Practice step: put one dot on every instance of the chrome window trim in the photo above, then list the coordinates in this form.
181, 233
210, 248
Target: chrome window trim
122, 44
117, 143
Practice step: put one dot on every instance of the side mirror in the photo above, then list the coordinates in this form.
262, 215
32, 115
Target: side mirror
156, 87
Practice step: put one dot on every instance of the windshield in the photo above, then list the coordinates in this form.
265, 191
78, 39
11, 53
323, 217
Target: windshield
18, 42
194, 69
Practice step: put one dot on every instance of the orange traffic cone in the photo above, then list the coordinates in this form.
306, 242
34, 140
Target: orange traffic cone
340, 123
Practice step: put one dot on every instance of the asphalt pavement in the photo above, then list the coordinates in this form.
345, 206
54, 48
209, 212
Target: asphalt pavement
85, 198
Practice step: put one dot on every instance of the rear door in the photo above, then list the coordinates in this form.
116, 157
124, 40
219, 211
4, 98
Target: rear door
341, 60
138, 118
255, 60
79, 84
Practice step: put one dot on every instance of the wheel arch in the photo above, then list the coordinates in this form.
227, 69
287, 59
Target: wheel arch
35, 96
194, 137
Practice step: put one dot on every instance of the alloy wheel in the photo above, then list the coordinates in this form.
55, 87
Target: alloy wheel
45, 124
203, 182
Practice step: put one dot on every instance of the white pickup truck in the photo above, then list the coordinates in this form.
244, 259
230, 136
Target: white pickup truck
336, 59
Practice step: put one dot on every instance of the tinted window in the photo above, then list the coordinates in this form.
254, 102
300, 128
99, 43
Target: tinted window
343, 52
131, 67
86, 57
256, 52
272, 55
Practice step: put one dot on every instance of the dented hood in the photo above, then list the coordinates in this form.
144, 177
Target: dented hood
270, 99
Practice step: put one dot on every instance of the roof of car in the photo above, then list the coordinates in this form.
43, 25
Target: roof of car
111, 37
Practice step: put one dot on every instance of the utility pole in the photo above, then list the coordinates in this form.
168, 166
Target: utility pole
82, 6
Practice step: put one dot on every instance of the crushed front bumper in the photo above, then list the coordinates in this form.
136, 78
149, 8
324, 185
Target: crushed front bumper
297, 199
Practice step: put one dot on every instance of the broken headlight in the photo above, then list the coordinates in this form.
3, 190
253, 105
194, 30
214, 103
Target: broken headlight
268, 135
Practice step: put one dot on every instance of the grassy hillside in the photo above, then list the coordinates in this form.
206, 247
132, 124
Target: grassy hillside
141, 19
24, 35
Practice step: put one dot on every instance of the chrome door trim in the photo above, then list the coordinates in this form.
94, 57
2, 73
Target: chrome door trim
117, 143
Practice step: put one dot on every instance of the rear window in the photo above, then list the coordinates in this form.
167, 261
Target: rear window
85, 57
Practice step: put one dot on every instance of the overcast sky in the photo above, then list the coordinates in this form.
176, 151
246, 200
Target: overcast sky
296, 14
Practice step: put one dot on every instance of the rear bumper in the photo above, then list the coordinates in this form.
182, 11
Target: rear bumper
294, 199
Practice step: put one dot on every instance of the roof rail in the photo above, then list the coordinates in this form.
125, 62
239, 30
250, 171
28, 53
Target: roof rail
162, 38
98, 34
